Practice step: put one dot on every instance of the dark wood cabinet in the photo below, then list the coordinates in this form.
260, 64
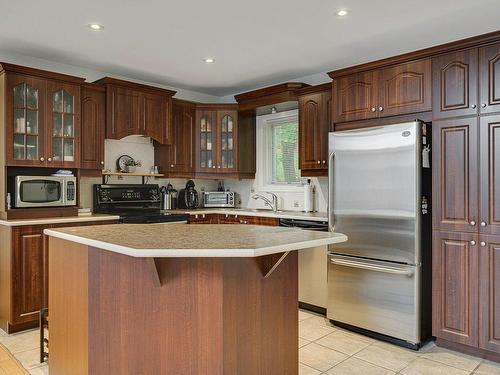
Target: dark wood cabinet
455, 287
489, 78
489, 172
177, 159
136, 109
314, 124
63, 125
455, 78
489, 297
232, 219
356, 97
24, 273
396, 90
455, 174
93, 127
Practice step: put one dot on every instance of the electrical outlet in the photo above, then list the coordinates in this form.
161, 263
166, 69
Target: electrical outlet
295, 204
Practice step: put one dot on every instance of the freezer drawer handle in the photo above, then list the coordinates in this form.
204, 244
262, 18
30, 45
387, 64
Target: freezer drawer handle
371, 267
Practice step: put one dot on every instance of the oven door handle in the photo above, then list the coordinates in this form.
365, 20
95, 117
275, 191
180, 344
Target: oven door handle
372, 267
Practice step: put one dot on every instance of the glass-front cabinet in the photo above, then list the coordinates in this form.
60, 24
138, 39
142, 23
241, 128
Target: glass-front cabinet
63, 121
216, 140
25, 120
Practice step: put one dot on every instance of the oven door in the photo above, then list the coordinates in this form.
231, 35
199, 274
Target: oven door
39, 191
378, 296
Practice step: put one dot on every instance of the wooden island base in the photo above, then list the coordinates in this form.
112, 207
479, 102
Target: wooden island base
115, 314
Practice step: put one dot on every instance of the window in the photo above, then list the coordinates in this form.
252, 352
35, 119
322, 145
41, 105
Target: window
284, 150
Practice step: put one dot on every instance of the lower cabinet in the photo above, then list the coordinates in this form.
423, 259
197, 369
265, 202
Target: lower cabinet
466, 285
232, 219
24, 274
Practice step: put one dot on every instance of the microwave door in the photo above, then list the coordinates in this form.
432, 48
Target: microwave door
40, 193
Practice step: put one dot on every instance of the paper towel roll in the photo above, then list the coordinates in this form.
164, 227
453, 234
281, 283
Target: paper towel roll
308, 197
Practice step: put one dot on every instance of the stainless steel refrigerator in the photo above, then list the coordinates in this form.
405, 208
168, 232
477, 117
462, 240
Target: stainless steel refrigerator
379, 196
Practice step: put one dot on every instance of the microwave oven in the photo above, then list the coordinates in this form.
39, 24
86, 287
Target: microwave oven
218, 199
45, 191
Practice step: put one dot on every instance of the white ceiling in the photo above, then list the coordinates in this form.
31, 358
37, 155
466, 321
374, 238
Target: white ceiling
255, 42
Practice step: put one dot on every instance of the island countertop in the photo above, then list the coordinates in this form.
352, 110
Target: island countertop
195, 240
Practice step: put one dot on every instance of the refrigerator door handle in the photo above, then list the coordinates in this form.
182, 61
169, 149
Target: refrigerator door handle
372, 267
331, 160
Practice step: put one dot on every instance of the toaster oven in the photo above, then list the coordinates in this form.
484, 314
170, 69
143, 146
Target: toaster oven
218, 199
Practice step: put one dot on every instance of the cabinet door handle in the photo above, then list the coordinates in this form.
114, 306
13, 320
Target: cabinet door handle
324, 161
42, 158
218, 166
380, 109
373, 109
483, 223
213, 167
483, 105
49, 159
171, 165
483, 244
102, 163
319, 161
473, 242
473, 223
473, 106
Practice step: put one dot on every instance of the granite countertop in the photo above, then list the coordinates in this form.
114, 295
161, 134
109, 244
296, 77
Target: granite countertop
314, 216
58, 220
195, 240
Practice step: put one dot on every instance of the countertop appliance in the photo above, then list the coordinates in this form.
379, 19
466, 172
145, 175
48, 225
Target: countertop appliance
313, 263
140, 204
379, 192
45, 191
218, 199
188, 197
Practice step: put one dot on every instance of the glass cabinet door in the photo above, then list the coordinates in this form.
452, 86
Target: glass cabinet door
226, 142
26, 122
206, 142
64, 109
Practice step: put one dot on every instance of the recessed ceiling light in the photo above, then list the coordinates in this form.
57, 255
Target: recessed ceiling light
95, 26
209, 60
342, 12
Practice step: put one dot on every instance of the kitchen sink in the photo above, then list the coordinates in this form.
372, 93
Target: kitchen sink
258, 210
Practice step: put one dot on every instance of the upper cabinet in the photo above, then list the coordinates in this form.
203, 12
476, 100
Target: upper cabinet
396, 90
314, 124
177, 159
467, 82
135, 109
42, 117
224, 145
93, 127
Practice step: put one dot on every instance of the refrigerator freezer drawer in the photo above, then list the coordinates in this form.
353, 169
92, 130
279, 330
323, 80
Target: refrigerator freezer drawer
378, 296
313, 276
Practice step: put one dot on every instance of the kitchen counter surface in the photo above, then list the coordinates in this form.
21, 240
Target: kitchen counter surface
298, 215
58, 220
195, 240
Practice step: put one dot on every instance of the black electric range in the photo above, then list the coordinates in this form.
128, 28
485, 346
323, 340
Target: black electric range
139, 204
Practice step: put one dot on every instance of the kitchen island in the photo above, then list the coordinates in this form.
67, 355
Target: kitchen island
175, 299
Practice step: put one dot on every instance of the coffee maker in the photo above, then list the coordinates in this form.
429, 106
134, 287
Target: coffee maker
188, 197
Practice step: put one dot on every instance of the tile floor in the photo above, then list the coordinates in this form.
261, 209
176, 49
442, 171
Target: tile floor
323, 349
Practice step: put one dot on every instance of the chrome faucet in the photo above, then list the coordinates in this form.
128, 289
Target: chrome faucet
273, 204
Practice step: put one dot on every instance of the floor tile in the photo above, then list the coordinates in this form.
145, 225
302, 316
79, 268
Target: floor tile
303, 342
320, 357
306, 370
488, 368
354, 366
423, 366
305, 315
386, 355
451, 358
21, 342
344, 342
40, 370
314, 328
29, 358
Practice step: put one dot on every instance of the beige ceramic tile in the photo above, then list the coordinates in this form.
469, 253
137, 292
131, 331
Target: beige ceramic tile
314, 328
388, 356
303, 342
451, 358
354, 366
305, 315
29, 358
320, 357
306, 370
428, 346
424, 366
488, 368
344, 342
21, 342
41, 370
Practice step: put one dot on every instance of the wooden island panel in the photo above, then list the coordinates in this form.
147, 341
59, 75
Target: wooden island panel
209, 316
